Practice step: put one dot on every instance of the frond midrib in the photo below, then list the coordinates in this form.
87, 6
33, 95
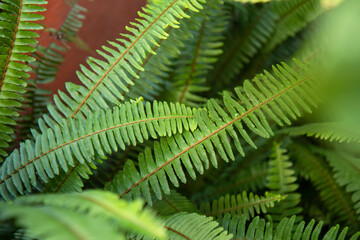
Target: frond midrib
215, 132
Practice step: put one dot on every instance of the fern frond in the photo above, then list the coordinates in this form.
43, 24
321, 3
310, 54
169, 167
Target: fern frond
331, 131
247, 204
250, 179
182, 226
293, 16
172, 204
106, 82
241, 47
45, 69
203, 49
87, 215
259, 228
74, 140
334, 198
347, 173
282, 180
16, 26
282, 93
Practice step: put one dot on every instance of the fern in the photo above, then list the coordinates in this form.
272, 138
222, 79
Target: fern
247, 204
127, 124
107, 81
193, 226
189, 77
347, 173
239, 49
335, 199
172, 204
16, 25
259, 228
281, 180
331, 131
89, 215
212, 133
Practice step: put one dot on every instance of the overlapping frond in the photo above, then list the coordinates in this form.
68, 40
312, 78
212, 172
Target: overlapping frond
331, 131
241, 46
103, 132
106, 82
247, 204
281, 97
203, 49
172, 204
292, 17
259, 228
334, 198
347, 173
45, 69
282, 180
87, 215
17, 23
193, 226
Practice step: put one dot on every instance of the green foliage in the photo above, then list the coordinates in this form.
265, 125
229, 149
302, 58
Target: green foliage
247, 204
282, 180
17, 25
176, 55
194, 226
215, 126
123, 125
259, 228
87, 215
331, 131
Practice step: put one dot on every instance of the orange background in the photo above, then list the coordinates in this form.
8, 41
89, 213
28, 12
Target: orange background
104, 21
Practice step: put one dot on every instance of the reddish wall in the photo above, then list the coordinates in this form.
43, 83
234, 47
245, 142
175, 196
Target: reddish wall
105, 19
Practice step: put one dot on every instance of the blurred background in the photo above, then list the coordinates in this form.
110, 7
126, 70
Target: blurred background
105, 19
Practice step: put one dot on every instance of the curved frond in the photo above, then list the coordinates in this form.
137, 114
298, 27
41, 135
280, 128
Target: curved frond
281, 96
334, 198
282, 180
87, 215
330, 131
247, 204
242, 46
347, 173
106, 82
45, 69
172, 204
74, 140
203, 49
192, 226
16, 39
259, 228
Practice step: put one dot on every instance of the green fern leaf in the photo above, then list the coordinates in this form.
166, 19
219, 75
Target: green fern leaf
106, 82
282, 180
195, 151
193, 226
16, 26
241, 47
203, 48
347, 173
172, 204
102, 133
88, 215
335, 199
259, 228
331, 131
247, 204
